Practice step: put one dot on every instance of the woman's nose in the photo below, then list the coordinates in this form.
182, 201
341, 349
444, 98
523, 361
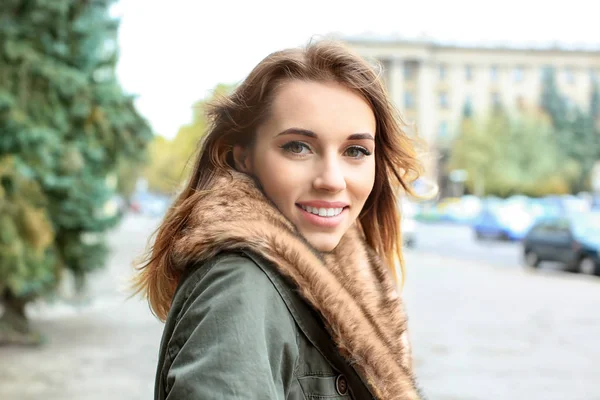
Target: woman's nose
330, 176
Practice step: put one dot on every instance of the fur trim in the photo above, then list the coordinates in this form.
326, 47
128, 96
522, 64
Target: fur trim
349, 287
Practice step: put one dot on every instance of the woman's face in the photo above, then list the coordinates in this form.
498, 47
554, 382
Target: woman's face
315, 158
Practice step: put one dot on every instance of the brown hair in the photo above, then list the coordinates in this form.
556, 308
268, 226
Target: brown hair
235, 118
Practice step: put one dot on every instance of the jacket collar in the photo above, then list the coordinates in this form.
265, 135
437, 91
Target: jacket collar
350, 288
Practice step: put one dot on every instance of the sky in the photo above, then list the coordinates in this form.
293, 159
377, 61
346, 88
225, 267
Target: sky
174, 53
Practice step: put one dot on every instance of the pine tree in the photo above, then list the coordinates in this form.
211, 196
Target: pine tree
595, 112
595, 101
65, 127
552, 101
576, 136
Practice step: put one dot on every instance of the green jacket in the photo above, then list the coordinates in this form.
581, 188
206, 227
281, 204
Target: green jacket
238, 330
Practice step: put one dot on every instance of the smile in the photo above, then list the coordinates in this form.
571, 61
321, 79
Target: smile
324, 217
323, 212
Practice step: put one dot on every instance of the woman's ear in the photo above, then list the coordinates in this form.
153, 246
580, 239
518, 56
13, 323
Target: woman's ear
241, 159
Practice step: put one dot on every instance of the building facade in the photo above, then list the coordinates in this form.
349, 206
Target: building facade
432, 83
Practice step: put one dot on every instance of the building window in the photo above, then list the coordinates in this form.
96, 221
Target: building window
443, 130
518, 73
443, 72
409, 101
467, 111
494, 73
569, 76
469, 72
410, 70
443, 98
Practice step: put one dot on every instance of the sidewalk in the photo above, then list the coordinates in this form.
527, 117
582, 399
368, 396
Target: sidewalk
110, 353
106, 349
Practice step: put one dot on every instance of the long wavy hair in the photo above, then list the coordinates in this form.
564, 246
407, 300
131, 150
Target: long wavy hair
234, 120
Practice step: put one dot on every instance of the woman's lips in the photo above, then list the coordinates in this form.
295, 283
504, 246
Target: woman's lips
323, 222
323, 204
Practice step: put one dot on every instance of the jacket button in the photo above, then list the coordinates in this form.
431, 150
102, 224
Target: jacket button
341, 385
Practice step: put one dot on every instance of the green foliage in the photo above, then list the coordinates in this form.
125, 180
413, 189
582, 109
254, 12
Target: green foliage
28, 262
577, 136
595, 101
509, 156
170, 161
552, 102
128, 174
65, 127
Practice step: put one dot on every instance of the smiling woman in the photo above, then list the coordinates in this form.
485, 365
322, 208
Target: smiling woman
298, 168
275, 267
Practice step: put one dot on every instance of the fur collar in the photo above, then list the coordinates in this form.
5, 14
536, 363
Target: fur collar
349, 287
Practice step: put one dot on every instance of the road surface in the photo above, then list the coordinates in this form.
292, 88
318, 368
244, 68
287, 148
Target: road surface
483, 328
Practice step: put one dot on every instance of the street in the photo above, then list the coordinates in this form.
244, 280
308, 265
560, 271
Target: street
483, 328
459, 242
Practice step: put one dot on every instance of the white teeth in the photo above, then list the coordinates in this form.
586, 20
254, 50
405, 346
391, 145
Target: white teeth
323, 212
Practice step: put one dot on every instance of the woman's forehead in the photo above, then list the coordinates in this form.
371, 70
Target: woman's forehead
322, 108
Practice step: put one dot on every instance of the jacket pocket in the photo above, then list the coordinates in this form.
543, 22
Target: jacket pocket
324, 387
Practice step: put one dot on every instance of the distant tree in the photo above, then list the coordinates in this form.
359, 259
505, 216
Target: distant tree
128, 174
164, 170
169, 163
29, 260
585, 148
504, 156
595, 101
552, 101
65, 127
530, 153
576, 136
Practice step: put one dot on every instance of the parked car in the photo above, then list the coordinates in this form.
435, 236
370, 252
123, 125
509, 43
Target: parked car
595, 202
573, 240
502, 220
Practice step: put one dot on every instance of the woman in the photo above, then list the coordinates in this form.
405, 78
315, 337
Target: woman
274, 268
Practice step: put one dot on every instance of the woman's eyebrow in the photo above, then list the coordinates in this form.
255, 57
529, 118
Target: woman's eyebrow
298, 131
311, 134
361, 136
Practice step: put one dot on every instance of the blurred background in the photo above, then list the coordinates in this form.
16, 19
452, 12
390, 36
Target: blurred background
101, 108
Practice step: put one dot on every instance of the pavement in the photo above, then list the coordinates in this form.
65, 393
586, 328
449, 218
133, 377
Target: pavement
482, 326
104, 346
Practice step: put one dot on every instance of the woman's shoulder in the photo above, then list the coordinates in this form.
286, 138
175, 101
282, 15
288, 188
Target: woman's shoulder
229, 277
226, 317
236, 268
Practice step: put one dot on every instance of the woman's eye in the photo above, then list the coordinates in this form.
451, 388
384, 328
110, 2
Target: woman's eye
357, 152
296, 148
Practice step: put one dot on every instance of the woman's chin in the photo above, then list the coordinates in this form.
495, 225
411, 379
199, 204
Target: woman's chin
323, 242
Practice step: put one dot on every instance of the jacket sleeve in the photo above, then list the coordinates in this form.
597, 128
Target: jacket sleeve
235, 338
